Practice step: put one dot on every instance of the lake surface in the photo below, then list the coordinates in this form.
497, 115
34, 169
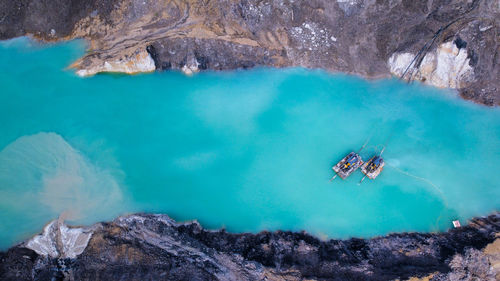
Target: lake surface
246, 150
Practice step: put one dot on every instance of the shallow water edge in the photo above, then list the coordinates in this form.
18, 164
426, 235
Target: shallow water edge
153, 246
248, 150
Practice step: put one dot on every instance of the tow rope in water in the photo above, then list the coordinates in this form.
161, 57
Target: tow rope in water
439, 191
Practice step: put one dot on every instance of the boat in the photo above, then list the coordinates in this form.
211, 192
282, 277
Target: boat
373, 167
347, 165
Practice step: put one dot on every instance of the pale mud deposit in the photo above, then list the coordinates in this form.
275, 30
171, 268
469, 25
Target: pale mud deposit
138, 62
60, 241
446, 67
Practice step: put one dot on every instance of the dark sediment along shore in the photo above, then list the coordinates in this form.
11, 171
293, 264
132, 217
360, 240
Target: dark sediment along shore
154, 247
445, 43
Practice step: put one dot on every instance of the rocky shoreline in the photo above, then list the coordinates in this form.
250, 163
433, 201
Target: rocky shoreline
155, 247
445, 43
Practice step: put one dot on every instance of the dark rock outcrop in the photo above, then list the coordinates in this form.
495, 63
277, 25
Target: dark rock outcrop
154, 247
354, 36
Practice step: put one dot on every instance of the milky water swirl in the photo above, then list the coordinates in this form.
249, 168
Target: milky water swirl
246, 150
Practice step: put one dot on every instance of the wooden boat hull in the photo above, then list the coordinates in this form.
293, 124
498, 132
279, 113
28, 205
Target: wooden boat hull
348, 165
369, 170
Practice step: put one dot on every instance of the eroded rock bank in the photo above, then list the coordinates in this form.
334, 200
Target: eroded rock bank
445, 43
155, 247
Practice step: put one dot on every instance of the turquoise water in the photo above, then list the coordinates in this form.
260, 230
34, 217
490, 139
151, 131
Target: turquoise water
245, 150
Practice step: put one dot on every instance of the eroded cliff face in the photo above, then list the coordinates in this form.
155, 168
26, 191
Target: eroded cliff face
446, 43
154, 247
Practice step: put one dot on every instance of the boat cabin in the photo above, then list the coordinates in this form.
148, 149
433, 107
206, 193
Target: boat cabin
373, 167
348, 165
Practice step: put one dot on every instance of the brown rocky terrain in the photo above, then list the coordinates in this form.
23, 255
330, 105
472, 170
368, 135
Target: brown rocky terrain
446, 43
